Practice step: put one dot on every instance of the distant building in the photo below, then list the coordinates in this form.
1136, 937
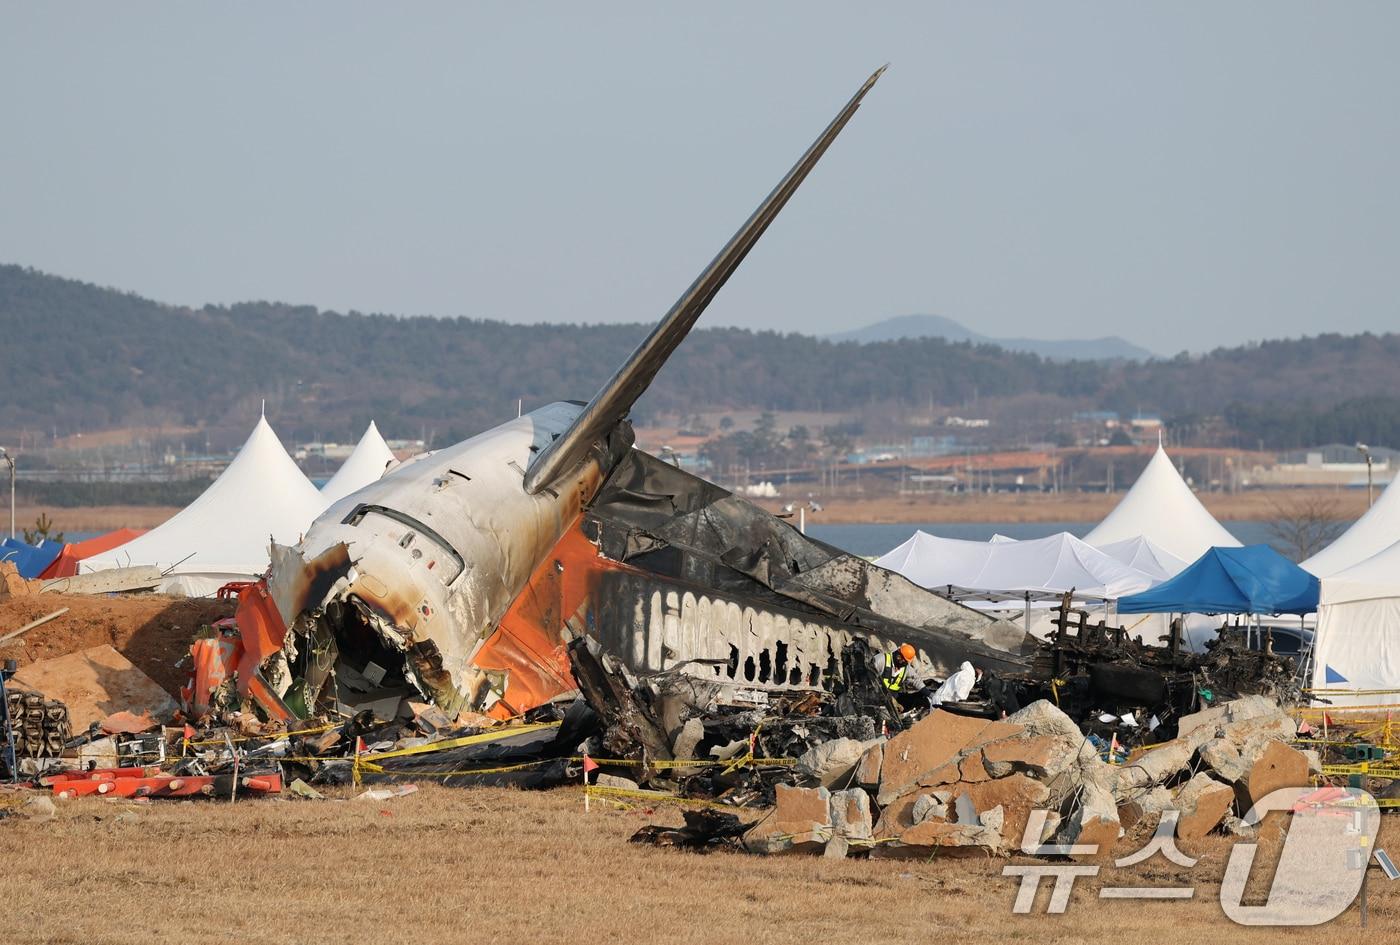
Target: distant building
933, 445
1340, 453
1334, 465
1108, 418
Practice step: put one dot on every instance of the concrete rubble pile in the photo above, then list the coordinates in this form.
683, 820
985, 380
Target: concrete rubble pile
948, 784
953, 785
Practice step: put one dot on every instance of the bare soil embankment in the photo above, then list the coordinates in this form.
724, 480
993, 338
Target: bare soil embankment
151, 630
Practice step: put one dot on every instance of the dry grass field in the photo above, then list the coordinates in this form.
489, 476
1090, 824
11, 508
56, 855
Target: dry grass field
464, 866
1347, 504
934, 507
95, 518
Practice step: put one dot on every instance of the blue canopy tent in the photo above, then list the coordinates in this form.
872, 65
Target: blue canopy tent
1254, 579
29, 560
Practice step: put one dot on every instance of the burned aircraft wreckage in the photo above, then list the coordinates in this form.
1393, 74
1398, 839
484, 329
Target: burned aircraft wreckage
463, 576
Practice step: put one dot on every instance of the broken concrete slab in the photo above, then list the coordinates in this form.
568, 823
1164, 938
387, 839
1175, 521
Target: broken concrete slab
1237, 710
1227, 760
605, 780
867, 772
931, 743
1017, 796
811, 820
1062, 762
1145, 805
1277, 727
993, 819
109, 581
932, 805
1251, 756
971, 769
1154, 767
1203, 803
939, 838
1093, 821
851, 816
1039, 756
800, 823
1278, 766
832, 763
94, 683
1043, 718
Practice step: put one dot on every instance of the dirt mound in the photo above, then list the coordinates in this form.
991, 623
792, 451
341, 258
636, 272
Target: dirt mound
151, 630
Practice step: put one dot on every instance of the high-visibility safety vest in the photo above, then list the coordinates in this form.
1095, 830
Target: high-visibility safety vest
893, 676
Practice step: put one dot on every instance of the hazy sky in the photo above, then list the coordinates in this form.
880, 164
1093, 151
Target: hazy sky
1182, 174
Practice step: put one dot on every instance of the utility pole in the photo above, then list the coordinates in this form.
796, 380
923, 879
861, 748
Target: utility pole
5, 454
1361, 448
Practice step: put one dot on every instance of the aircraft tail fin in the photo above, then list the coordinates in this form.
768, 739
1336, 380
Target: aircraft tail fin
616, 397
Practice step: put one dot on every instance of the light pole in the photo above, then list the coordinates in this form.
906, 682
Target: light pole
5, 454
1361, 448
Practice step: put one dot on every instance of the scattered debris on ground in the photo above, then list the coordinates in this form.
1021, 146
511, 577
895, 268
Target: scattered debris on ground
840, 770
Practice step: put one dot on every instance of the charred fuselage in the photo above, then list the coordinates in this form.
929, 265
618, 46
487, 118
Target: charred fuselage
461, 576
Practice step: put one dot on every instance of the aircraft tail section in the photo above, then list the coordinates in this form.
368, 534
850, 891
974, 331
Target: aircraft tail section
621, 391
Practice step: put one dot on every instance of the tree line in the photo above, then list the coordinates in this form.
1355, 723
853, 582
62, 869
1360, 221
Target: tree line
81, 357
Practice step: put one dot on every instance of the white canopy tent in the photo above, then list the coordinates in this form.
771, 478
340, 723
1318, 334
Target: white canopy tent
1161, 508
1142, 555
1357, 646
1368, 535
224, 534
365, 464
1049, 565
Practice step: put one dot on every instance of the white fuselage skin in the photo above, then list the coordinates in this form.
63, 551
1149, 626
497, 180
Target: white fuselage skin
449, 582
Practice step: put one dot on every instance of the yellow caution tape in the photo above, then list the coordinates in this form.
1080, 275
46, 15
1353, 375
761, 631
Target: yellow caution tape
1363, 767
659, 764
373, 768
1339, 691
658, 797
276, 736
487, 736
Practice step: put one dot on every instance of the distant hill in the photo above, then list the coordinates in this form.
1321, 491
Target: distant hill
75, 356
900, 327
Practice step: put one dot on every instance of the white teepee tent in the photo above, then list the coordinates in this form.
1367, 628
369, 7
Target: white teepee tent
365, 464
1358, 632
1162, 508
224, 534
1370, 534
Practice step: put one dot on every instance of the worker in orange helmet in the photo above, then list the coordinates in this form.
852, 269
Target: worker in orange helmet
895, 675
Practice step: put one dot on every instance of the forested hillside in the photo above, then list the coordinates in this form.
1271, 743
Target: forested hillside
76, 356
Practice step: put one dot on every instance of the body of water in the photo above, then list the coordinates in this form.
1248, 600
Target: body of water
872, 539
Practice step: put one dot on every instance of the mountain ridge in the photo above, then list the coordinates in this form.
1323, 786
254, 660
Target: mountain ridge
901, 327
78, 357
